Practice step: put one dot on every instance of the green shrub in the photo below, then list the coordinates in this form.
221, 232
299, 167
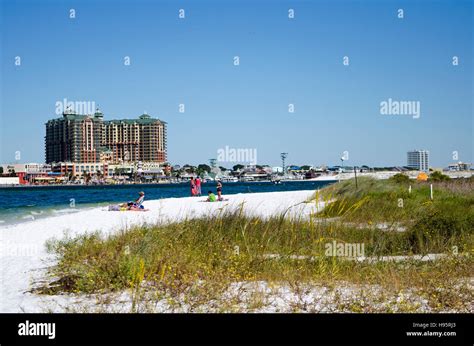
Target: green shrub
400, 178
437, 231
438, 176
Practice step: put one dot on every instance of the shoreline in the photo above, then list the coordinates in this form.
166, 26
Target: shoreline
380, 175
270, 182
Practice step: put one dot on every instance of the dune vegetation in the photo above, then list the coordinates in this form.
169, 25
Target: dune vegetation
196, 264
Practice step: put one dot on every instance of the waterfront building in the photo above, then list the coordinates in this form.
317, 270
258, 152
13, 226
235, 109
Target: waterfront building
10, 168
80, 138
74, 137
121, 169
9, 181
93, 168
27, 168
418, 159
37, 168
133, 140
277, 169
26, 172
459, 166
63, 168
252, 173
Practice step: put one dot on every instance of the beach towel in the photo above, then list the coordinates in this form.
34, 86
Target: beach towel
116, 207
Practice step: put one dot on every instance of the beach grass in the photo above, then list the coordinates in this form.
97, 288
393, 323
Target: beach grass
199, 259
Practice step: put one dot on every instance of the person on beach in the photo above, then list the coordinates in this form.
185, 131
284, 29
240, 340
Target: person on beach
219, 190
211, 197
193, 187
137, 204
198, 186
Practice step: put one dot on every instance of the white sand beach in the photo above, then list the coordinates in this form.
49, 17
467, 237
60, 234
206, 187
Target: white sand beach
23, 256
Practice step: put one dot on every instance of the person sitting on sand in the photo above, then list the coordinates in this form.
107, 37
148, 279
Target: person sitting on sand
211, 198
137, 204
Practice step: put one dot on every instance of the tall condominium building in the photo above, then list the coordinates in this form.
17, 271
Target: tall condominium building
88, 138
74, 138
142, 139
418, 159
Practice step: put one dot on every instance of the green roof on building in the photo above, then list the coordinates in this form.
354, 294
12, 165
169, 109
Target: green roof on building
142, 119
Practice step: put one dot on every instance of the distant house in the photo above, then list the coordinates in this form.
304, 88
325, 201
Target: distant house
459, 166
252, 173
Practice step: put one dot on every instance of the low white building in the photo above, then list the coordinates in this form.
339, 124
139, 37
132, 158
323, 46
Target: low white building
9, 181
13, 167
459, 166
28, 168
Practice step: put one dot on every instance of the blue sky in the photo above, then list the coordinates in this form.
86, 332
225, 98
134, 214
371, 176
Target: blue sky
282, 61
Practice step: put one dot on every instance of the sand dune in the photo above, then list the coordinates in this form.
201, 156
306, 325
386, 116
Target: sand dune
23, 257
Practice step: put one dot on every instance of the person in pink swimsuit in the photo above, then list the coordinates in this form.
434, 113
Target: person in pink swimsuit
198, 186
